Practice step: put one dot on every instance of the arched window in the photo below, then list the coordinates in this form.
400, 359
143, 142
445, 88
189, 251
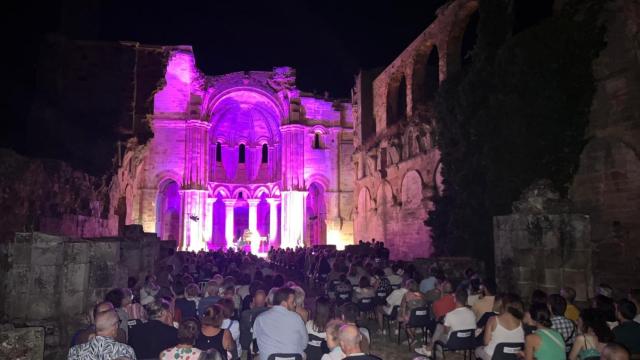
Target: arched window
241, 154
316, 141
218, 152
265, 153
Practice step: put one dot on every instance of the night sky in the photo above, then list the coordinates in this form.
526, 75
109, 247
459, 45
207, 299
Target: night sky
326, 41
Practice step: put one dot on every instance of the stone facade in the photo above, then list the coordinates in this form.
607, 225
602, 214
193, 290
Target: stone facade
543, 245
607, 184
237, 152
52, 281
395, 158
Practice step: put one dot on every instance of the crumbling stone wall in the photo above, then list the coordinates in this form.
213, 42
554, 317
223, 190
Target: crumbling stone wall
396, 161
50, 196
51, 281
607, 185
543, 245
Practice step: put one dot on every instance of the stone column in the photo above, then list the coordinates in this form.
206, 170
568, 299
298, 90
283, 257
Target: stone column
228, 220
253, 215
208, 228
273, 218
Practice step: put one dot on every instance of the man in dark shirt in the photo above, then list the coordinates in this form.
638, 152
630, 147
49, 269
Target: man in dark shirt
628, 332
149, 339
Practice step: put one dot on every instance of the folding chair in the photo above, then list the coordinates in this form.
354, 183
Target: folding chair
389, 318
367, 306
285, 357
507, 351
461, 340
315, 347
418, 319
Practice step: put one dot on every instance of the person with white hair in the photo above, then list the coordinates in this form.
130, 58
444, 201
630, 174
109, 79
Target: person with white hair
299, 301
349, 338
103, 345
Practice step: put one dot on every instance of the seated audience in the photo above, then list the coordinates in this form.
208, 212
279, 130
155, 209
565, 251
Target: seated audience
299, 301
484, 303
503, 328
559, 323
103, 345
607, 307
394, 299
321, 316
233, 326
460, 318
333, 342
363, 290
211, 296
446, 303
429, 283
349, 315
634, 297
212, 336
594, 335
545, 343
350, 339
185, 350
150, 338
117, 298
569, 294
628, 332
280, 329
412, 299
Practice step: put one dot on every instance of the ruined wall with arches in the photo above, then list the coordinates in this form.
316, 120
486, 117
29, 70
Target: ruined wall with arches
395, 157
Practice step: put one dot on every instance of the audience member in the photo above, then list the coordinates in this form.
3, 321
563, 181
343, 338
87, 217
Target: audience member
594, 335
212, 337
569, 294
446, 303
634, 297
185, 350
233, 326
559, 323
349, 315
280, 329
628, 332
103, 345
150, 338
333, 341
429, 283
503, 328
350, 339
484, 303
545, 343
412, 299
211, 296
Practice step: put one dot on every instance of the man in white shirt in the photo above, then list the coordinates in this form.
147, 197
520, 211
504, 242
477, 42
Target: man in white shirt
460, 318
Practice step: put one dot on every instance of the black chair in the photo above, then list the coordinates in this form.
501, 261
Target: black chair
381, 297
316, 347
461, 340
285, 357
418, 319
367, 306
507, 351
387, 319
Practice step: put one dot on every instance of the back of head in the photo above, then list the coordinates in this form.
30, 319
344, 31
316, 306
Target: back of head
188, 332
107, 323
364, 282
569, 294
538, 297
411, 285
490, 286
614, 351
322, 314
213, 316
192, 290
540, 314
350, 339
100, 307
228, 307
512, 304
594, 319
557, 304
282, 295
156, 309
299, 296
349, 312
212, 288
115, 297
461, 296
606, 306
333, 328
627, 309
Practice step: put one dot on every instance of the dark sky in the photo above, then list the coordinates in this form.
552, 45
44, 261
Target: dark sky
326, 41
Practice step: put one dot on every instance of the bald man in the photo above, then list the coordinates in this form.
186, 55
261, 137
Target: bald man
83, 336
614, 351
103, 346
349, 338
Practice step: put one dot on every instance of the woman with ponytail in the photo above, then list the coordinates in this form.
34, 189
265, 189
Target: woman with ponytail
545, 343
503, 328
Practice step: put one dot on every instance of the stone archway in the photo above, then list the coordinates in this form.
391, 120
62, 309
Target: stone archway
168, 211
316, 215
